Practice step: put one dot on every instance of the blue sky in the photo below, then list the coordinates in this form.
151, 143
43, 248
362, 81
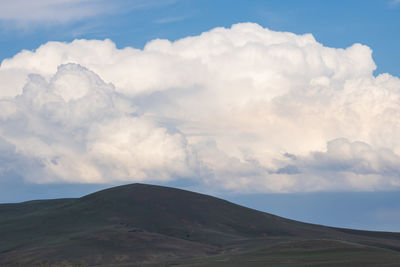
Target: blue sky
360, 185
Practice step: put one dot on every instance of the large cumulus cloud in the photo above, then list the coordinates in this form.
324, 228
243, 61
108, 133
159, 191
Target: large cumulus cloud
81, 130
244, 108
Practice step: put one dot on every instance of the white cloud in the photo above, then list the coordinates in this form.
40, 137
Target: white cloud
80, 130
239, 109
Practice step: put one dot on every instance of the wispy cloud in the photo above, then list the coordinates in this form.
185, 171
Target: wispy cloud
170, 19
26, 12
394, 2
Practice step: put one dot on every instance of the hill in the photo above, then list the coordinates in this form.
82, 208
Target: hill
138, 224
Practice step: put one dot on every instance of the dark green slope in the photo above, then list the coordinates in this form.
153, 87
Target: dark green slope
141, 224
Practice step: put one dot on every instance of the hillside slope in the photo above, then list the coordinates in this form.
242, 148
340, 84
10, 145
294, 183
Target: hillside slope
142, 224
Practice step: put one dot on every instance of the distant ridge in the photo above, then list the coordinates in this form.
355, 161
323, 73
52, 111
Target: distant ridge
140, 224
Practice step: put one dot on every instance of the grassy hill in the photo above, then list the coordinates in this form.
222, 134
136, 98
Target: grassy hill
138, 224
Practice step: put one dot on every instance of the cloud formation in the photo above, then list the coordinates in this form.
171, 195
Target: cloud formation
242, 109
81, 130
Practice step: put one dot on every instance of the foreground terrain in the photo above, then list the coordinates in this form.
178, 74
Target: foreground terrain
139, 225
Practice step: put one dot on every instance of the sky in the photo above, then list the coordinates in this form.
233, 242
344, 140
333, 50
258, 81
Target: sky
290, 107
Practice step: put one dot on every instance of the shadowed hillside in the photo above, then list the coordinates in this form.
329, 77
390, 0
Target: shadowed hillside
142, 224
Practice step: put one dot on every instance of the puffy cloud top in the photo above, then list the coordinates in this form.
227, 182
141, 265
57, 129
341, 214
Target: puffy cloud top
244, 108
